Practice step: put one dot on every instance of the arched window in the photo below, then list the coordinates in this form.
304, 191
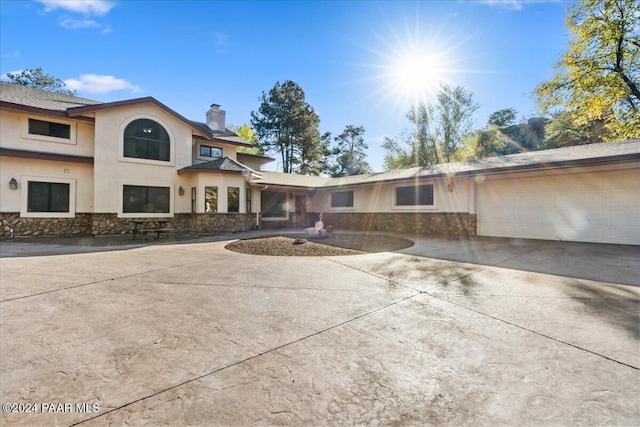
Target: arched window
146, 139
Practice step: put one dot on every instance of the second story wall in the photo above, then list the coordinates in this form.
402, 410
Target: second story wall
116, 166
46, 134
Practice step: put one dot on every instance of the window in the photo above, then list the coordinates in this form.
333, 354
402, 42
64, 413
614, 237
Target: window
415, 195
56, 130
206, 151
140, 199
233, 199
211, 199
193, 199
342, 199
48, 197
274, 204
146, 139
247, 192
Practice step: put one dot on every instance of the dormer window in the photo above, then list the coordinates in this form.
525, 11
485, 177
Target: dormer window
147, 139
208, 151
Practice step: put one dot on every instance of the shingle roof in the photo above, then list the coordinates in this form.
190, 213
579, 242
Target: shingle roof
607, 152
223, 164
224, 135
290, 180
22, 95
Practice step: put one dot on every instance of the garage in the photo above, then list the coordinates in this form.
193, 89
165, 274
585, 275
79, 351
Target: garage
582, 204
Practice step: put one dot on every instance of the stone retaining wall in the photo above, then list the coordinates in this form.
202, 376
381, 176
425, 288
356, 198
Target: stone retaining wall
457, 224
109, 224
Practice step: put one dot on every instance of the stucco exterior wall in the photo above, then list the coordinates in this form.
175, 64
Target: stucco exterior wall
30, 169
112, 170
14, 134
379, 197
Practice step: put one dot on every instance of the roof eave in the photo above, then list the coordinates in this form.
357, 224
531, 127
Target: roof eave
77, 111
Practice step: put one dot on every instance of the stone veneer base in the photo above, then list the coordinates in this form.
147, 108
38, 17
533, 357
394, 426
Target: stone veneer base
110, 224
458, 224
455, 224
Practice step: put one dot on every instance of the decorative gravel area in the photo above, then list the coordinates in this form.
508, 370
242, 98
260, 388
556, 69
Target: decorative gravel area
332, 245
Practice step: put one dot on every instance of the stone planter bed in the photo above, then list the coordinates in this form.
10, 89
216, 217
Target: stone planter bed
332, 245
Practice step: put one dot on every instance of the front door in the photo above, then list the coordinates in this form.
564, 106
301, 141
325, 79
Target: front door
300, 217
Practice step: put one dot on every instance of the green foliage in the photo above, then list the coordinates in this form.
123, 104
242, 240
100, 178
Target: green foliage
286, 124
245, 132
598, 78
565, 130
349, 153
38, 79
437, 131
502, 118
501, 136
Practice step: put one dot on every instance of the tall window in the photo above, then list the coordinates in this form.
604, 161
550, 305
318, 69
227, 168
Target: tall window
274, 204
193, 199
57, 130
247, 191
146, 139
47, 197
207, 151
211, 199
233, 199
415, 195
141, 199
342, 199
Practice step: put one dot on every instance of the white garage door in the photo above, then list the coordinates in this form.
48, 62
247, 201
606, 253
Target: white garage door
585, 207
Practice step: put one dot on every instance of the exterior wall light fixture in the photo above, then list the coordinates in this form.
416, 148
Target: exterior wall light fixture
181, 191
13, 184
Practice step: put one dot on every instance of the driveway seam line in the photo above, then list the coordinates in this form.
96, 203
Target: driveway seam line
428, 293
272, 350
95, 282
532, 331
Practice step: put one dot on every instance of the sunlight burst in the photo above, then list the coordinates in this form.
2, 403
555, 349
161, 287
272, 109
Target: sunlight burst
411, 69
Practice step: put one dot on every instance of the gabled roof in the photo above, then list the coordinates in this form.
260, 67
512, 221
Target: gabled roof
223, 165
16, 96
592, 154
79, 111
36, 100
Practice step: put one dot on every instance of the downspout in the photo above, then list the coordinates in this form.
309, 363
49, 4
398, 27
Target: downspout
260, 190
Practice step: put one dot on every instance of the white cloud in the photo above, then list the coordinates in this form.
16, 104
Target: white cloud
75, 24
93, 83
505, 4
4, 77
85, 7
220, 41
11, 54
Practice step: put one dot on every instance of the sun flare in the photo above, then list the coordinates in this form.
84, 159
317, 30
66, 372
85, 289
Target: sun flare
410, 69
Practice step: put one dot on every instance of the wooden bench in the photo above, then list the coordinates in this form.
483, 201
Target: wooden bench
146, 226
146, 231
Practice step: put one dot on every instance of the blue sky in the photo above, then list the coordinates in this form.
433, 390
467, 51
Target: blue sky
351, 58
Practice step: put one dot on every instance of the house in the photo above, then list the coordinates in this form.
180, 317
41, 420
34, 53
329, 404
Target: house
70, 165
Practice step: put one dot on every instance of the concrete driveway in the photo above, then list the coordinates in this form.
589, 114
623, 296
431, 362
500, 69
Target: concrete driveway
447, 332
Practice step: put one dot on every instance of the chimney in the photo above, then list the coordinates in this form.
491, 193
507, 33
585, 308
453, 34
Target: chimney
215, 117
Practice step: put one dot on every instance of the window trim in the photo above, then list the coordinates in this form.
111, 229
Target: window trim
342, 208
394, 203
72, 131
208, 158
172, 142
122, 183
24, 197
